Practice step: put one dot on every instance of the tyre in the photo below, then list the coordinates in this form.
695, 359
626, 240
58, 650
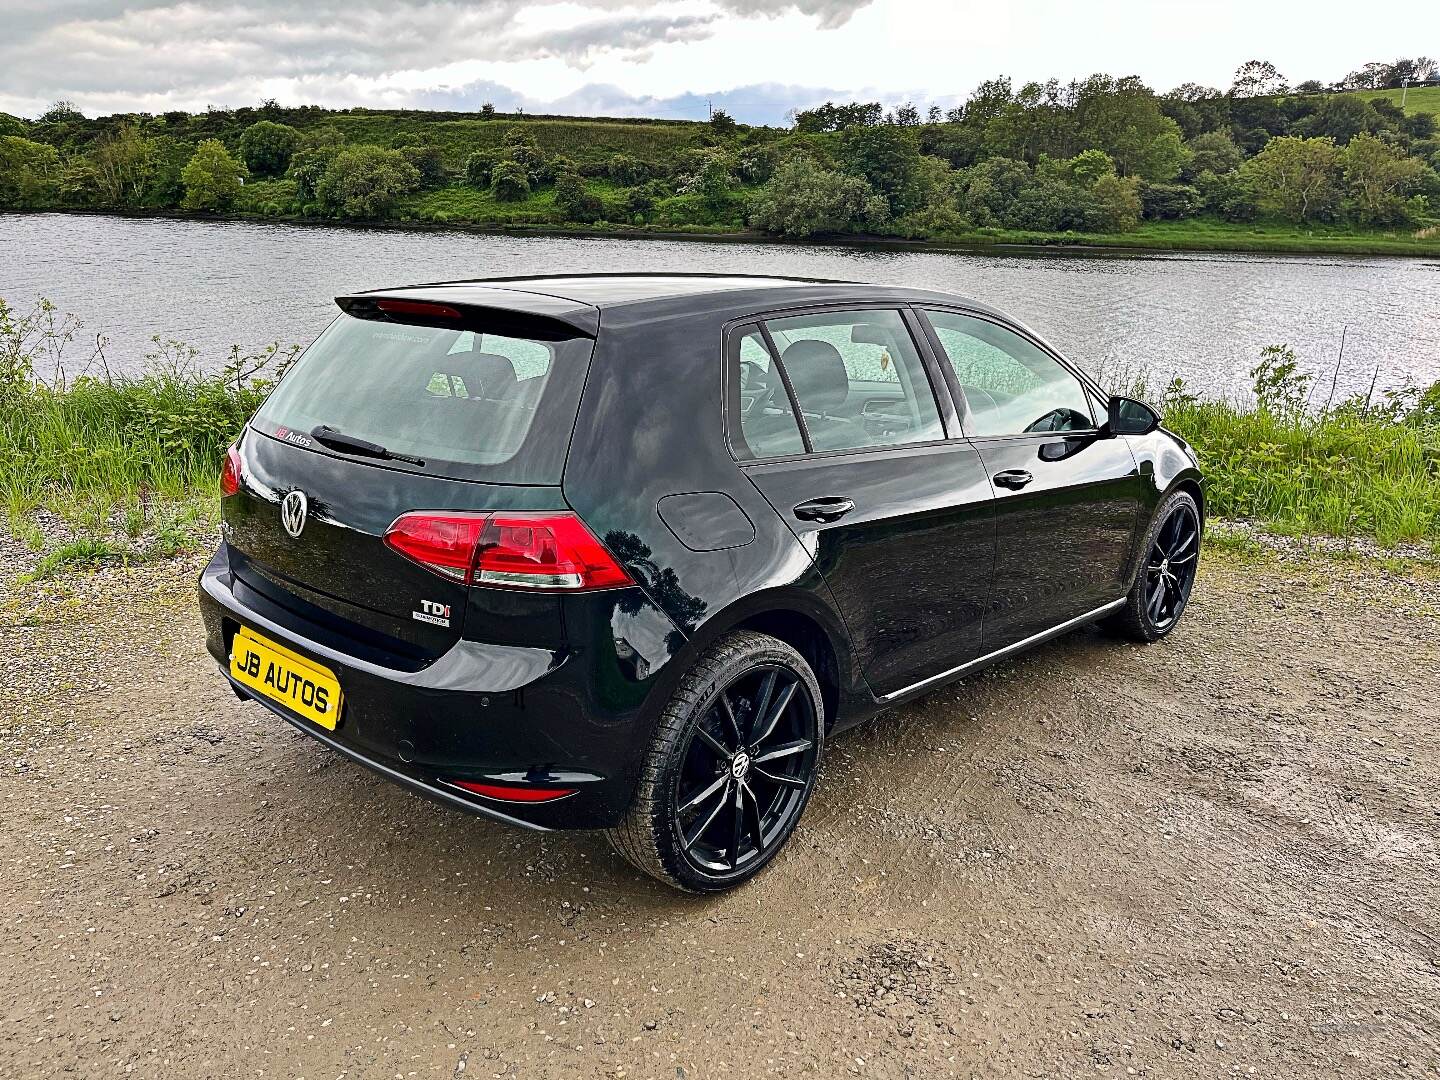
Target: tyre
1166, 575
730, 769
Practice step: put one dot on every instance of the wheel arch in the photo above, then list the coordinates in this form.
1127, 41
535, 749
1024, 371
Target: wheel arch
803, 622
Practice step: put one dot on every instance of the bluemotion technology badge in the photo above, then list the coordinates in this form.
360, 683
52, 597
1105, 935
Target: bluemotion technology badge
432, 613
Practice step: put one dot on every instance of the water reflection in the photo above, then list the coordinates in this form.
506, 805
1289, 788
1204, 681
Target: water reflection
1204, 317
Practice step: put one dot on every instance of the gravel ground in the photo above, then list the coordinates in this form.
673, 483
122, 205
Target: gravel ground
1215, 856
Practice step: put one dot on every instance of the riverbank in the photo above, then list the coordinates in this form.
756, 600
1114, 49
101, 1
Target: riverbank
124, 468
1151, 237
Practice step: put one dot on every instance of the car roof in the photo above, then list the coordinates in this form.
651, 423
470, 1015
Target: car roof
707, 292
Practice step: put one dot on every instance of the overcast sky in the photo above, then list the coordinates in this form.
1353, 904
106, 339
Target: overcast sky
757, 58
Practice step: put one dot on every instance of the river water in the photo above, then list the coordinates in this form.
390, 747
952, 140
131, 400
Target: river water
1202, 317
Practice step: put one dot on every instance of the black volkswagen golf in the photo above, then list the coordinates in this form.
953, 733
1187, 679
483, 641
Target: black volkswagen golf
623, 551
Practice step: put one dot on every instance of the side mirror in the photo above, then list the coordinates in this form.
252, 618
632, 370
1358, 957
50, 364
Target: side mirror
1130, 417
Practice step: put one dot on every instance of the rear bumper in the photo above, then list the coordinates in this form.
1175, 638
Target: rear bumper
480, 712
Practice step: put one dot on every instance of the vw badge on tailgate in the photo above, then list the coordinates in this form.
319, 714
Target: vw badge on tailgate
292, 512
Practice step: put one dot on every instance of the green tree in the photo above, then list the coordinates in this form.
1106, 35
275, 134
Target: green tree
13, 125
722, 123
429, 163
989, 188
478, 167
1341, 117
521, 148
1089, 166
366, 181
122, 161
803, 199
1296, 179
29, 172
1378, 178
509, 181
574, 201
1123, 118
1117, 203
1257, 78
267, 147
887, 158
212, 178
1216, 151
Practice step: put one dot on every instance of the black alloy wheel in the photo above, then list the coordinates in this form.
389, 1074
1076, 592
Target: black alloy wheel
747, 769
1167, 575
733, 765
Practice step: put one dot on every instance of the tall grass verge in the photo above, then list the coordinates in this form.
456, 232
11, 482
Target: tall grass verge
128, 462
1361, 467
128, 465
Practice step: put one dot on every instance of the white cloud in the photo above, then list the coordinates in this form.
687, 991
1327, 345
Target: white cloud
122, 55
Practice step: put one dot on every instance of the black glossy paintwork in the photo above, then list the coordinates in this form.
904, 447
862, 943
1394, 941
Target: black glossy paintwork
1064, 540
910, 566
933, 568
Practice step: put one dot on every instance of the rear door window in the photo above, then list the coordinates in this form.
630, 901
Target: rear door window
858, 379
466, 402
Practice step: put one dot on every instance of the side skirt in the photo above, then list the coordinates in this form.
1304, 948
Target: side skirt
999, 654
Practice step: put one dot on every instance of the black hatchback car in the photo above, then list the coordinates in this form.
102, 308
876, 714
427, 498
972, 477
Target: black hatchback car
623, 551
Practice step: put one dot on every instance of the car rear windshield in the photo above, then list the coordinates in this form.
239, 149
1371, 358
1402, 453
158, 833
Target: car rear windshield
464, 402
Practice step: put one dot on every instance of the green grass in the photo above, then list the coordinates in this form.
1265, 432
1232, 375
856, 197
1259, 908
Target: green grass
131, 464
1417, 98
1208, 234
1344, 474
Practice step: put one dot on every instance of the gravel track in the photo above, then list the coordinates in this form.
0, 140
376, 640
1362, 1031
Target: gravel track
1214, 856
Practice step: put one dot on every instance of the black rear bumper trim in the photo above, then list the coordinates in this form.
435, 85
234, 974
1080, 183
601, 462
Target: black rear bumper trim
437, 794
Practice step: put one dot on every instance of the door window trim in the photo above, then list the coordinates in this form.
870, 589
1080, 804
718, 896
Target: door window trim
929, 360
1089, 388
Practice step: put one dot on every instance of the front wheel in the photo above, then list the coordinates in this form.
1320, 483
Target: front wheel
730, 769
1163, 583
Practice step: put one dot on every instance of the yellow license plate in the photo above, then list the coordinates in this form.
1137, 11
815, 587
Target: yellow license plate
301, 685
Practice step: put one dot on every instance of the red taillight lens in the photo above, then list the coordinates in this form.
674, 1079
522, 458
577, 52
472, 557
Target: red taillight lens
548, 551
230, 473
514, 793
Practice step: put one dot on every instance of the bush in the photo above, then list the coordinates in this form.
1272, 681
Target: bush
29, 172
479, 168
1049, 204
1169, 202
575, 202
509, 182
804, 199
366, 181
1117, 203
1227, 196
428, 162
267, 147
212, 178
887, 158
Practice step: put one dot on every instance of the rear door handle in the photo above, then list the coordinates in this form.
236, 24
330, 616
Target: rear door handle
824, 510
1014, 479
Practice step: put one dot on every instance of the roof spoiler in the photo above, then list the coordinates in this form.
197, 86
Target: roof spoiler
497, 311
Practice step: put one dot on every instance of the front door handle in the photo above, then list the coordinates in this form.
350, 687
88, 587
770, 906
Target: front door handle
1014, 479
824, 510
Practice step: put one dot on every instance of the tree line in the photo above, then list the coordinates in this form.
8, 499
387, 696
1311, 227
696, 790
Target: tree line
1098, 155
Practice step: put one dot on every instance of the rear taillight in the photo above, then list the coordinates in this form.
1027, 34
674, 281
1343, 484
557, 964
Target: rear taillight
551, 552
230, 473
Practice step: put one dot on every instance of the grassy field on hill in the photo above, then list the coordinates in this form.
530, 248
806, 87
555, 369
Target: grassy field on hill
1424, 99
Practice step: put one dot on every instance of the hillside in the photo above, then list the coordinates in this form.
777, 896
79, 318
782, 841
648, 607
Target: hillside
1105, 162
1418, 99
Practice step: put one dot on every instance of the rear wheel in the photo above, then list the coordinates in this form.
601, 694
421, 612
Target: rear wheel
731, 767
1162, 586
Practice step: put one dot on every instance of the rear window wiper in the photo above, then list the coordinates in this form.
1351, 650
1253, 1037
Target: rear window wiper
338, 440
